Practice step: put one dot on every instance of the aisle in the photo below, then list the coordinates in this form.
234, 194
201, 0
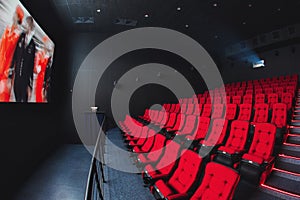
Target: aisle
62, 176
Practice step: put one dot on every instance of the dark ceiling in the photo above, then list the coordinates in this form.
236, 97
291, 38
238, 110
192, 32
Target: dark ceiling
215, 24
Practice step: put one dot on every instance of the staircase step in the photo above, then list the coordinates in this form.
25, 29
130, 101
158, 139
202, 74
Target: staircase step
288, 159
288, 166
295, 130
296, 117
289, 185
287, 175
293, 139
290, 151
295, 122
278, 193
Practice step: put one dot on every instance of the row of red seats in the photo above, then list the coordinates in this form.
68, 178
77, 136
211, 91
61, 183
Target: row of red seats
159, 165
259, 113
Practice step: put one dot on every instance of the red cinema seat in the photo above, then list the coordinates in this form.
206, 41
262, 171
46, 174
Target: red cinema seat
287, 98
155, 152
219, 182
202, 100
237, 100
188, 126
218, 100
259, 159
235, 144
272, 99
279, 119
216, 134
218, 111
163, 168
190, 109
182, 179
198, 109
206, 112
231, 110
146, 147
200, 133
248, 99
261, 113
245, 112
268, 90
259, 98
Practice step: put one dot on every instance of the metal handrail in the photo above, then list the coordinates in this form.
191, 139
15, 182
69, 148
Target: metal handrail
96, 178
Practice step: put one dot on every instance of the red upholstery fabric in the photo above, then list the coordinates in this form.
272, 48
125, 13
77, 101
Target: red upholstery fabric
231, 111
189, 125
218, 111
190, 109
247, 99
198, 109
166, 163
183, 177
172, 120
272, 99
279, 115
200, 133
155, 152
179, 122
218, 100
245, 112
206, 110
259, 98
287, 98
263, 142
237, 100
183, 108
237, 137
261, 113
219, 182
147, 145
217, 134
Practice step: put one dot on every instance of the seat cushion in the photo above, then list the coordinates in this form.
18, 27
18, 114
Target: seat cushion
253, 158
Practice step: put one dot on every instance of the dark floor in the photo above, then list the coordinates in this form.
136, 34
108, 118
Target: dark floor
62, 176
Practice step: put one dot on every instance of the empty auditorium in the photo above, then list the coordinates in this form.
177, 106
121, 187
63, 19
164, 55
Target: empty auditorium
150, 100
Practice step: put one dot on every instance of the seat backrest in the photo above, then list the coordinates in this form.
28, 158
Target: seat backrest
290, 89
177, 108
259, 98
216, 133
187, 171
218, 100
230, 111
203, 126
272, 99
217, 111
150, 141
240, 93
279, 115
261, 113
169, 158
158, 147
287, 98
189, 125
167, 107
202, 100
183, 108
180, 121
263, 140
198, 109
219, 182
190, 109
171, 120
172, 108
237, 100
248, 99
238, 135
228, 99
206, 112
268, 90
245, 112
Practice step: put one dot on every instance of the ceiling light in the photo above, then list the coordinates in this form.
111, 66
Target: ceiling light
178, 8
244, 23
249, 5
278, 9
98, 10
146, 15
215, 5
216, 36
186, 26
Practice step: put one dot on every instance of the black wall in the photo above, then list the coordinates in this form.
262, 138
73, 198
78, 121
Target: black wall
280, 61
144, 97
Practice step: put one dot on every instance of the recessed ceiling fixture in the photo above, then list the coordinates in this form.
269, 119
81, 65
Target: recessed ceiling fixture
98, 10
186, 26
250, 5
215, 4
146, 15
216, 36
244, 23
278, 9
178, 8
